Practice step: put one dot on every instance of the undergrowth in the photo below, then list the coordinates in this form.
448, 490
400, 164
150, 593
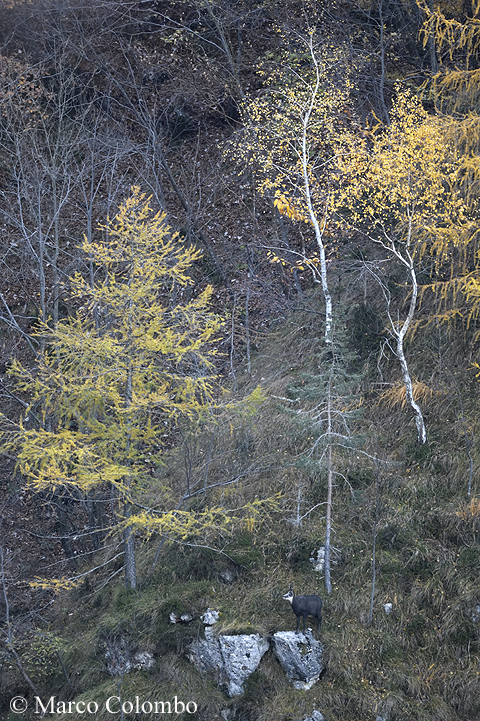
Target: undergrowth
418, 661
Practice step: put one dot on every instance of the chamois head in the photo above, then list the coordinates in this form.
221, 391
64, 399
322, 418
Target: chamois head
290, 595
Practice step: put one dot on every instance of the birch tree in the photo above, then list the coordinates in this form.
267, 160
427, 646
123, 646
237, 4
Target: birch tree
398, 187
288, 141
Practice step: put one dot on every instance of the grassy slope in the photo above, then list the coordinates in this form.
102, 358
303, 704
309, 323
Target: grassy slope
421, 662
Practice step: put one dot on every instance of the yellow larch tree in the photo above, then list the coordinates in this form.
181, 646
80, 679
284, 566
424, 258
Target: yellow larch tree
455, 90
116, 378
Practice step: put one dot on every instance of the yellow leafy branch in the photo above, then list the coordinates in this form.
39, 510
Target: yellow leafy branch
183, 525
470, 512
396, 396
54, 584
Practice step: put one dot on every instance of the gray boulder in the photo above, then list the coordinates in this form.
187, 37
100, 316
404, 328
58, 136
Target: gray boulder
206, 656
231, 659
210, 617
316, 716
120, 659
241, 656
181, 618
300, 656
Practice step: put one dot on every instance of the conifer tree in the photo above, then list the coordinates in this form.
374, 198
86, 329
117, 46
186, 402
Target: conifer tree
328, 392
454, 89
114, 380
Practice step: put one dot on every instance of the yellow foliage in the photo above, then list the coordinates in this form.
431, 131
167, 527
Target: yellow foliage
125, 370
10, 4
183, 525
290, 126
54, 584
451, 33
470, 512
397, 396
288, 208
399, 186
456, 92
116, 380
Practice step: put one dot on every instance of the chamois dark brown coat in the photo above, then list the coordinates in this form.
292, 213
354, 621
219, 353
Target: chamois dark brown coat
305, 606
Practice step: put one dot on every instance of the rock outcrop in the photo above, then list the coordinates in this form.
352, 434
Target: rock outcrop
120, 659
316, 716
231, 659
241, 655
300, 656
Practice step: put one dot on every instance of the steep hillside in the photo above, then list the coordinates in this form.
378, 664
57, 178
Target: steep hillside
418, 660
318, 165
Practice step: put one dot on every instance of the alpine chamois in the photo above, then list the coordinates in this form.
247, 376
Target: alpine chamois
305, 606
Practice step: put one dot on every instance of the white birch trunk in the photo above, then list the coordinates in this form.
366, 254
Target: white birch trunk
308, 196
400, 331
328, 522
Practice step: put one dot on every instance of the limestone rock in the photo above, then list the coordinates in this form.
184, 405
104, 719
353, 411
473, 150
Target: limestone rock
182, 618
241, 655
316, 716
120, 659
117, 656
231, 659
143, 661
206, 656
210, 617
300, 656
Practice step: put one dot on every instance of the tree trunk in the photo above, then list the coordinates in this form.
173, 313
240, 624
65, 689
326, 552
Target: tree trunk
129, 532
431, 45
374, 542
328, 523
129, 549
400, 333
308, 197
